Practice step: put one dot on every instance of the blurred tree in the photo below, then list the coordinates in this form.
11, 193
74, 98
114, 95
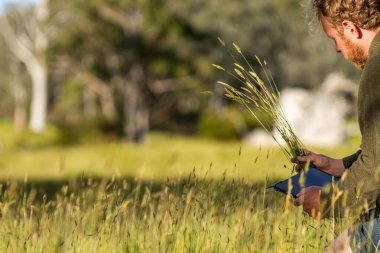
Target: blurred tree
19, 91
137, 50
7, 99
23, 29
276, 31
152, 58
144, 63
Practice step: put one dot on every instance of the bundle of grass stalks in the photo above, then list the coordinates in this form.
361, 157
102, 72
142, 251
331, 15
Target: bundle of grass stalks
261, 97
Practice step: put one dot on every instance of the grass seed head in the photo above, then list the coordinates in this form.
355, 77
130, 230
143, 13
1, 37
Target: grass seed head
262, 95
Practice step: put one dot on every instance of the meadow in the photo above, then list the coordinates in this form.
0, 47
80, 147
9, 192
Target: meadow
172, 194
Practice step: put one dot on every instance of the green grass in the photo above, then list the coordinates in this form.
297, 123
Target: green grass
162, 156
173, 194
183, 216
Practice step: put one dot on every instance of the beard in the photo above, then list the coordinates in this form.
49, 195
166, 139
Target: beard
355, 53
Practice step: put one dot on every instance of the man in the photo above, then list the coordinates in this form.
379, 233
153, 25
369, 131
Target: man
354, 27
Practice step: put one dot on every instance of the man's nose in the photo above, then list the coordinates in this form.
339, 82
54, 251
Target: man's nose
337, 49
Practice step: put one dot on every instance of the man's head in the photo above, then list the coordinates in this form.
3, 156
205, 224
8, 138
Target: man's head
364, 13
347, 44
352, 24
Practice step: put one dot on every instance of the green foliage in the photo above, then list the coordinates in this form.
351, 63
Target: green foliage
177, 39
10, 138
173, 43
7, 134
252, 123
69, 105
232, 123
265, 28
227, 125
50, 137
92, 130
96, 130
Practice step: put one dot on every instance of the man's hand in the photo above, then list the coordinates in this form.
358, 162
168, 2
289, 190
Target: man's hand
310, 199
330, 165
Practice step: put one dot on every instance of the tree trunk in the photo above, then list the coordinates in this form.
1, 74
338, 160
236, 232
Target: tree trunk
19, 94
89, 104
20, 114
136, 111
98, 89
29, 43
216, 101
38, 108
107, 105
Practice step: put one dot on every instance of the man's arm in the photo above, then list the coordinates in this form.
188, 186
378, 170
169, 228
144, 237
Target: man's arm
330, 165
312, 198
357, 190
361, 186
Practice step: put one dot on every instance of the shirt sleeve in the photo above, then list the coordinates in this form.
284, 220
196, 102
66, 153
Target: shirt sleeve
349, 160
359, 187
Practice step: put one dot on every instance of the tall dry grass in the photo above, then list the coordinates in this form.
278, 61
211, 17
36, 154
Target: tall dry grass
257, 91
186, 215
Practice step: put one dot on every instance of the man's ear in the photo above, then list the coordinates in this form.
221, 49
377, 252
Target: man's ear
352, 30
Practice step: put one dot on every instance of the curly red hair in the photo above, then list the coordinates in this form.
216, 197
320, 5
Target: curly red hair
364, 13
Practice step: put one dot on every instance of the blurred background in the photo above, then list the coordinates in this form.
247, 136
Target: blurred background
127, 88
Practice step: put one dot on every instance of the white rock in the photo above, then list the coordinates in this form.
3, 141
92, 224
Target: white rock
317, 117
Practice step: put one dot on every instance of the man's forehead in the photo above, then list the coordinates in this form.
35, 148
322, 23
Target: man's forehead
326, 22
328, 27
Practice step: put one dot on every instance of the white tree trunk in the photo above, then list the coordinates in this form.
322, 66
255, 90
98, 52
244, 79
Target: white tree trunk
29, 45
38, 109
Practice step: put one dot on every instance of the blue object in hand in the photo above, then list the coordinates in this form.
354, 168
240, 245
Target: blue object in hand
312, 177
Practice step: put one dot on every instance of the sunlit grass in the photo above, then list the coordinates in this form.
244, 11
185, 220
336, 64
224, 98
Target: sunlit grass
188, 215
161, 157
172, 194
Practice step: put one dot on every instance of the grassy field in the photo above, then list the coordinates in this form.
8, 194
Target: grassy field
173, 194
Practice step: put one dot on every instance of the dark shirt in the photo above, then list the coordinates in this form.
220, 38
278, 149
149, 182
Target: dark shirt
360, 187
